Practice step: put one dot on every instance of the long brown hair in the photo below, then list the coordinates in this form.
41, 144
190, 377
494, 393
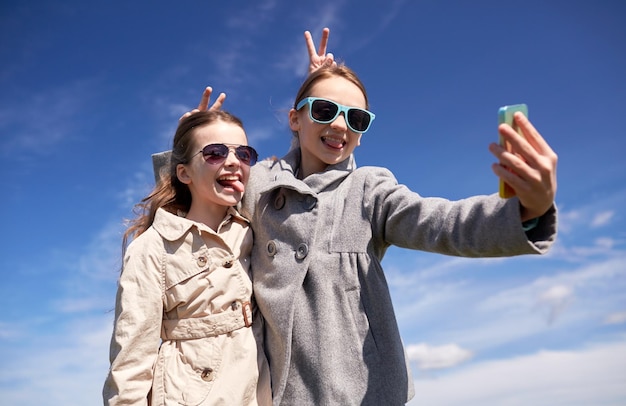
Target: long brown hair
170, 193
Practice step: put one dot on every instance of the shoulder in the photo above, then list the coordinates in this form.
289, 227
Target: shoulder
170, 226
374, 172
146, 243
260, 174
373, 179
264, 166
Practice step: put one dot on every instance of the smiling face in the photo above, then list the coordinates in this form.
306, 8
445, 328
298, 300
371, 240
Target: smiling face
326, 144
214, 187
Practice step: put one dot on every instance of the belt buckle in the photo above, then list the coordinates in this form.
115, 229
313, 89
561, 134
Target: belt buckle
245, 307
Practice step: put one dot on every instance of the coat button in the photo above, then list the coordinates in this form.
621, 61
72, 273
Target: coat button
279, 202
302, 251
271, 248
202, 261
311, 202
207, 374
228, 263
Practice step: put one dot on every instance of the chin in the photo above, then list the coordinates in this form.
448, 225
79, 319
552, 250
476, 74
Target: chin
232, 200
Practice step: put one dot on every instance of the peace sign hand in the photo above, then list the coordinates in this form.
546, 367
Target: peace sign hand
320, 58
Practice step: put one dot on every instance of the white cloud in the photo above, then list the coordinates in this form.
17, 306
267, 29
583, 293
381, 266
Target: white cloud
569, 220
10, 331
602, 218
593, 214
578, 253
615, 318
101, 257
606, 243
139, 185
58, 367
483, 313
588, 376
554, 301
437, 357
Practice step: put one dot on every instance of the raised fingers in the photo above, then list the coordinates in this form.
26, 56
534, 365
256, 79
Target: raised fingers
323, 42
319, 58
217, 105
311, 45
206, 96
204, 102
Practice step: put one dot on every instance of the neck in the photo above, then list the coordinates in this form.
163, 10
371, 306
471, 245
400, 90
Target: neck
211, 216
305, 169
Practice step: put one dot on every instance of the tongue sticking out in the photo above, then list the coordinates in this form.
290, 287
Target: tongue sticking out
234, 184
333, 143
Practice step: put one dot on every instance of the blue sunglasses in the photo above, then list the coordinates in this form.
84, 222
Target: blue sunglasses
326, 111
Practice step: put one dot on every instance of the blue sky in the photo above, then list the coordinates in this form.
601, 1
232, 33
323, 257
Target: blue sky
90, 89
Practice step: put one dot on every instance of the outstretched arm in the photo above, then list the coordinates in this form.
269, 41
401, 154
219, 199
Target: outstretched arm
530, 168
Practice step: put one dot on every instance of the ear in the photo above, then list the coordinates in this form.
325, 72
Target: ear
294, 120
358, 141
182, 173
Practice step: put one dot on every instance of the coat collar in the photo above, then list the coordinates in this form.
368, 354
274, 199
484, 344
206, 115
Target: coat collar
172, 227
283, 174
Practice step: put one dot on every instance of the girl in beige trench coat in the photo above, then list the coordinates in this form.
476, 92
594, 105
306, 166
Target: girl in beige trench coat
184, 312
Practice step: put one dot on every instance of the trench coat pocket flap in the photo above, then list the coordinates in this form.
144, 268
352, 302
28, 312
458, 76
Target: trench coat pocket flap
183, 267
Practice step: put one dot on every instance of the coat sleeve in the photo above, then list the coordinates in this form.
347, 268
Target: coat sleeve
137, 330
480, 226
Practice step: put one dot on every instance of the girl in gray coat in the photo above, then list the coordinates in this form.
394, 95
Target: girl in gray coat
322, 226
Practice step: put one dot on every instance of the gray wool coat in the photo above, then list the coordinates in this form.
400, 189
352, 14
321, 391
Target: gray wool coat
331, 332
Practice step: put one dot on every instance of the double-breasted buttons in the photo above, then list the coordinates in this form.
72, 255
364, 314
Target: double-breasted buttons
271, 248
302, 251
201, 261
279, 202
207, 374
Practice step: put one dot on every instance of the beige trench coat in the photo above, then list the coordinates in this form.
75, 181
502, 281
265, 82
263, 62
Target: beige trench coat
182, 332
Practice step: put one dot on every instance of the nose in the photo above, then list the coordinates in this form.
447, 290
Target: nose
231, 158
340, 122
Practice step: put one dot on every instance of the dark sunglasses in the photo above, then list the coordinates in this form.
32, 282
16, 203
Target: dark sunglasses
215, 154
325, 111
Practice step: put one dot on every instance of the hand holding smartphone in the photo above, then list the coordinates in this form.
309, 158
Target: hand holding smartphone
505, 115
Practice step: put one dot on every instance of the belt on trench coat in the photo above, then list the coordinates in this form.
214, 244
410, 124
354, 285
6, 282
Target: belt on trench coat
239, 316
